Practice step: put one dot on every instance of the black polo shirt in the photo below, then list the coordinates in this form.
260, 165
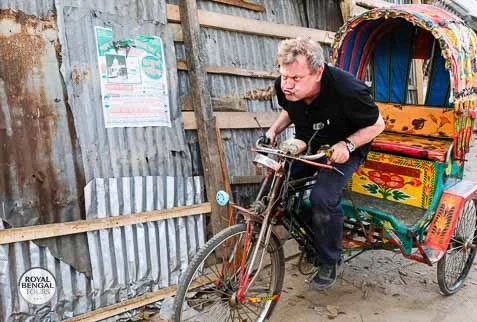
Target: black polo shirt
343, 106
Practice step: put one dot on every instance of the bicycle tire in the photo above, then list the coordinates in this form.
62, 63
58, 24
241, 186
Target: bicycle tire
462, 247
277, 267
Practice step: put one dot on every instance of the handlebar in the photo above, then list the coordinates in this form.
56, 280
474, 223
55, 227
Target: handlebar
262, 147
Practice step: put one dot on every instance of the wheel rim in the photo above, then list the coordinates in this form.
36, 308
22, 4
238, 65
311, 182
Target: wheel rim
217, 300
461, 251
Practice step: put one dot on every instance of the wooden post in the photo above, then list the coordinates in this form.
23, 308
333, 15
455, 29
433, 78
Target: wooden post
419, 73
206, 127
347, 9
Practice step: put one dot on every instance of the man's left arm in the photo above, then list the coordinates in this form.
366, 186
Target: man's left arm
366, 134
362, 111
361, 137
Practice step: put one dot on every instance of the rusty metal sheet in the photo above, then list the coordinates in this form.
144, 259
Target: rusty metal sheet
40, 176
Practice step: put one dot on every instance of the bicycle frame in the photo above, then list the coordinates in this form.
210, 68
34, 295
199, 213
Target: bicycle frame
264, 235
273, 214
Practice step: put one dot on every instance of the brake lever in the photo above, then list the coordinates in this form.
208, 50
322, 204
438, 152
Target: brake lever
338, 171
325, 149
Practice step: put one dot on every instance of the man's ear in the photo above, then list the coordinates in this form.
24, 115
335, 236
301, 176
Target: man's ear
319, 73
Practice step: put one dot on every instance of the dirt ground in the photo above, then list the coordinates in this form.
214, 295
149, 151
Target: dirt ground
380, 286
377, 286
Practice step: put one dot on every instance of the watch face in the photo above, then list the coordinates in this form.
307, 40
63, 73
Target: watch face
350, 146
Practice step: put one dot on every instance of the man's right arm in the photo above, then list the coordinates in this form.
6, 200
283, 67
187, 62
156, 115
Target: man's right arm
278, 126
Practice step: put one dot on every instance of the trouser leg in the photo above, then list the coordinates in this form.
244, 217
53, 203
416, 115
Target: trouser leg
327, 212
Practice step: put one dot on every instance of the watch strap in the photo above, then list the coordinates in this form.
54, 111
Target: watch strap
350, 145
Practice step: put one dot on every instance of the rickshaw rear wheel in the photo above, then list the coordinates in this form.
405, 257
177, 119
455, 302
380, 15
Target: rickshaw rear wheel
454, 266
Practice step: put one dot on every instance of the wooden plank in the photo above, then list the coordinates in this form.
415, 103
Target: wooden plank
219, 104
371, 4
134, 303
252, 26
243, 4
81, 226
205, 121
182, 65
176, 30
246, 179
234, 120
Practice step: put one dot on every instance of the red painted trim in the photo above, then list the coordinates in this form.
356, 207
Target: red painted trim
392, 168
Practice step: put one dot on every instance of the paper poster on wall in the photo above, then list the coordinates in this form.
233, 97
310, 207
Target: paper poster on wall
133, 80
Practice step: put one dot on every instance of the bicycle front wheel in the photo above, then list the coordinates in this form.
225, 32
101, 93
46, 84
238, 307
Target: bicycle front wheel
208, 290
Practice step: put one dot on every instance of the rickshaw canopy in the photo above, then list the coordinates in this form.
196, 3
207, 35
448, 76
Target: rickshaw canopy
385, 41
403, 32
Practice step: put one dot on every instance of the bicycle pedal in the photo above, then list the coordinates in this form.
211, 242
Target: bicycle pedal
312, 275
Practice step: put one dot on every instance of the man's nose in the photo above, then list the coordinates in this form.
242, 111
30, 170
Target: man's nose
288, 84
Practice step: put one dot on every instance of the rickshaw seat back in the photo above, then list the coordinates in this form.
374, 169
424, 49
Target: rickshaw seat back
444, 221
418, 120
427, 148
407, 161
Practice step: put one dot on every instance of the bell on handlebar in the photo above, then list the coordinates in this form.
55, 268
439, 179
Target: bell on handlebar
265, 140
326, 149
222, 198
293, 146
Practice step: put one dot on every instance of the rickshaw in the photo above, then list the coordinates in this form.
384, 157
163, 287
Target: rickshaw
408, 197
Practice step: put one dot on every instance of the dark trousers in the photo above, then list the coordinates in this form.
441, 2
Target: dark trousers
326, 202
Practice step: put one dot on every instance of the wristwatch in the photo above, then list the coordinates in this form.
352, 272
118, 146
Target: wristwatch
349, 145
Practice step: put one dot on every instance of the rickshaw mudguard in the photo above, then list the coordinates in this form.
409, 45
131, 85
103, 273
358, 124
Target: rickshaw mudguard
445, 219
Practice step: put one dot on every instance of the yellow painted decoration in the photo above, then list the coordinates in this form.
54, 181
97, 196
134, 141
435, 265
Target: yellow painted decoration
415, 119
394, 178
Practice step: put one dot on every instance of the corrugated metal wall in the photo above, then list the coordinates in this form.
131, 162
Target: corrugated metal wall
131, 260
119, 152
74, 289
126, 261
58, 140
41, 178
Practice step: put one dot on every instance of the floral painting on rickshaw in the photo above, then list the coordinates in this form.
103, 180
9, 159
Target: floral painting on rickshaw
388, 185
395, 178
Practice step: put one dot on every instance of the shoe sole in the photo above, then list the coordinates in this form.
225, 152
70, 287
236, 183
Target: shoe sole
314, 287
339, 272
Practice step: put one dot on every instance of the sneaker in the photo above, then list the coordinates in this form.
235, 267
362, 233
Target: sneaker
325, 277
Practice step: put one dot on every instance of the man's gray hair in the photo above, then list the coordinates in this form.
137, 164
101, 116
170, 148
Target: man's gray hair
289, 49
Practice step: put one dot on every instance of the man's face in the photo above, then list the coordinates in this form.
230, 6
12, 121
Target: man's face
298, 82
